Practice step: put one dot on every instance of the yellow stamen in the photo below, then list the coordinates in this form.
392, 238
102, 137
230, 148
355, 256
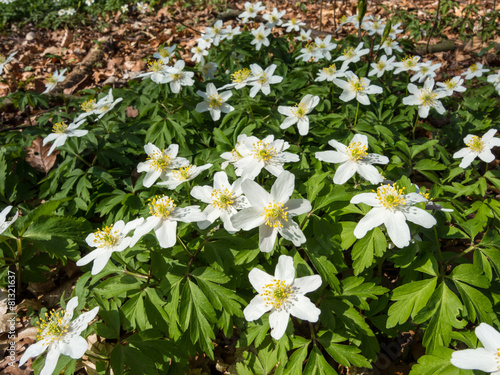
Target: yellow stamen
427, 97
241, 75
275, 213
476, 144
349, 53
330, 71
89, 105
390, 196
409, 61
214, 101
222, 198
160, 161
156, 65
263, 152
357, 151
277, 293
161, 206
300, 110
53, 327
60, 127
357, 84
473, 68
450, 83
183, 173
106, 237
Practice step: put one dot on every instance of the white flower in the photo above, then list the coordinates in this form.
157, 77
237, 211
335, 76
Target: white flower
395, 30
166, 53
293, 24
103, 106
374, 27
356, 87
53, 80
492, 78
451, 85
351, 55
89, 2
239, 152
475, 70
214, 102
178, 77
61, 132
68, 11
224, 200
142, 7
240, 79
260, 37
164, 217
61, 12
267, 153
159, 163
263, 79
308, 52
298, 114
124, 8
274, 18
478, 147
4, 61
230, 33
4, 224
392, 208
282, 295
407, 63
389, 45
251, 10
324, 46
483, 359
215, 33
425, 98
158, 72
354, 158
199, 51
178, 176
383, 65
208, 70
108, 240
272, 212
426, 70
304, 36
329, 73
59, 335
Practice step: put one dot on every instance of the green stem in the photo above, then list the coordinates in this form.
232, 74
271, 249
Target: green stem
136, 274
184, 247
356, 118
468, 250
190, 264
11, 249
407, 81
88, 353
75, 152
249, 104
415, 126
18, 264
438, 245
313, 334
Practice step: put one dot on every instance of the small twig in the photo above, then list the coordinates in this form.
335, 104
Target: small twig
433, 26
321, 16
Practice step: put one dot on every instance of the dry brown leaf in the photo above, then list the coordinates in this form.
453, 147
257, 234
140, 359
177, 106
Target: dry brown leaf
131, 112
67, 38
37, 155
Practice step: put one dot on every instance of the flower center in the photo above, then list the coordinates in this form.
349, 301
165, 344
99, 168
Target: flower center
409, 61
274, 19
427, 97
262, 79
330, 71
161, 206
106, 237
159, 160
263, 152
293, 21
311, 47
164, 53
300, 110
259, 36
52, 327
59, 127
214, 101
277, 293
2, 59
380, 65
357, 151
51, 80
476, 144
357, 85
450, 83
156, 66
183, 173
176, 76
222, 198
390, 197
89, 105
275, 213
241, 75
349, 53
473, 68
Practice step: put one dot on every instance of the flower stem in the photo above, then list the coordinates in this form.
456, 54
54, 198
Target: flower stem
249, 104
184, 247
438, 245
18, 264
356, 118
75, 152
415, 126
202, 245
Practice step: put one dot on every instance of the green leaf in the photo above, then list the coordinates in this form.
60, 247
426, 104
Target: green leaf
44, 228
317, 364
296, 360
410, 299
364, 250
429, 165
437, 363
442, 312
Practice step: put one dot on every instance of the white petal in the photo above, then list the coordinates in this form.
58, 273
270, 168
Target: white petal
297, 207
76, 348
474, 359
331, 156
267, 238
372, 219
33, 350
420, 217
370, 173
344, 172
80, 324
307, 284
256, 308
259, 279
366, 198
248, 218
486, 156
255, 194
489, 337
304, 309
284, 269
100, 262
278, 320
291, 231
166, 233
50, 362
397, 229
283, 187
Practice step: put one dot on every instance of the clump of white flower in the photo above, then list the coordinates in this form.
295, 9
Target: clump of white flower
142, 7
478, 148
53, 80
61, 132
